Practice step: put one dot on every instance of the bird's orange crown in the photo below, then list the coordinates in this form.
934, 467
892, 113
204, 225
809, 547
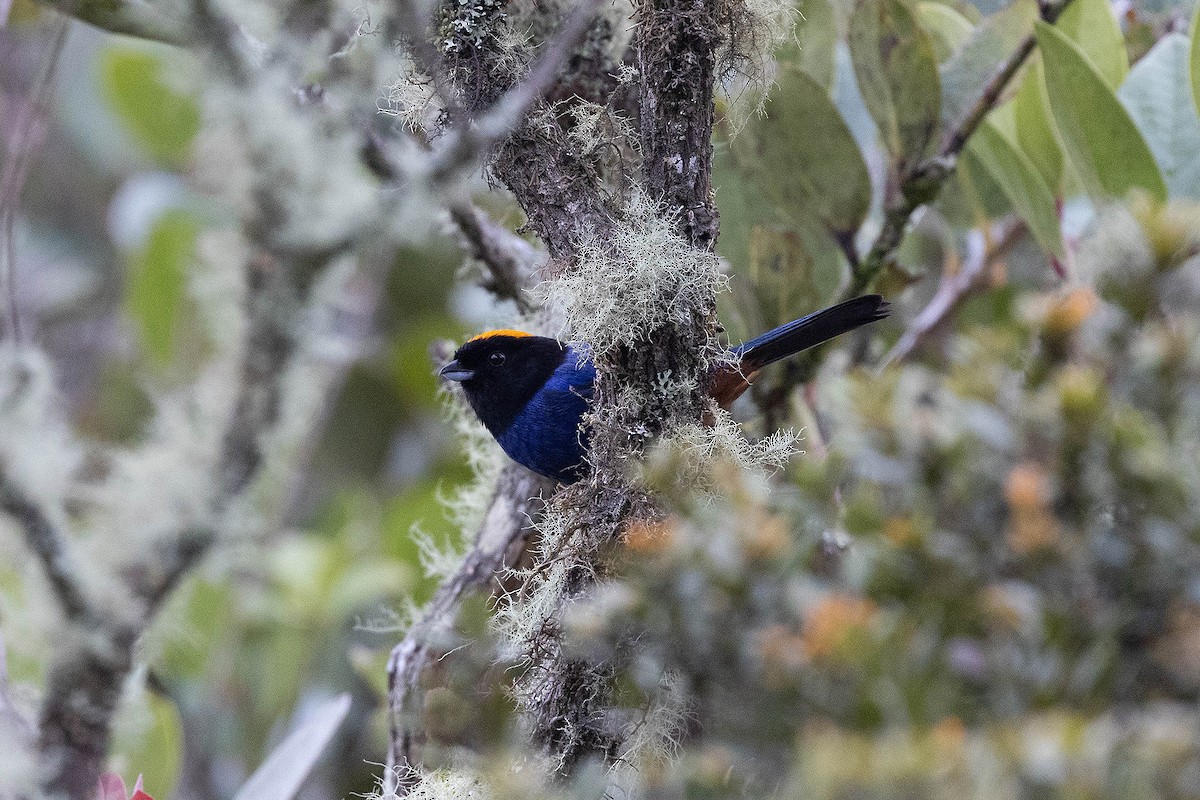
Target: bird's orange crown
501, 332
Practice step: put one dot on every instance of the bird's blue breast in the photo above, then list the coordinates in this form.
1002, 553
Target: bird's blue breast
545, 436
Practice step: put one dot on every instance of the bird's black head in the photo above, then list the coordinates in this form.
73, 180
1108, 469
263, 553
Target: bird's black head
501, 371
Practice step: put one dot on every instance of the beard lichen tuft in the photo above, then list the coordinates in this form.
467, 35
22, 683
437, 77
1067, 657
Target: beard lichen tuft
746, 67
643, 277
681, 462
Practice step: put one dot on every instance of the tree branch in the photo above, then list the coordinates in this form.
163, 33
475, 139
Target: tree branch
498, 546
26, 140
467, 143
506, 256
676, 55
925, 181
564, 696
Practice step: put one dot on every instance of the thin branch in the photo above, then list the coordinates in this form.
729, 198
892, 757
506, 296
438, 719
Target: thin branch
222, 37
923, 184
507, 257
22, 150
920, 187
48, 543
955, 288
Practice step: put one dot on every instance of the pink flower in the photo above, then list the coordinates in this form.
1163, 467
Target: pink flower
111, 787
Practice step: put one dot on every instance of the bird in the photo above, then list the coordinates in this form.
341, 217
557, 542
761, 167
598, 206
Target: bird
531, 392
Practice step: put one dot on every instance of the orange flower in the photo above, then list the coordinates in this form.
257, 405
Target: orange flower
764, 536
1032, 525
836, 617
783, 652
650, 536
1069, 311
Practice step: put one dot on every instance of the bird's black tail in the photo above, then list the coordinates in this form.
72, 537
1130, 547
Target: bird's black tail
810, 331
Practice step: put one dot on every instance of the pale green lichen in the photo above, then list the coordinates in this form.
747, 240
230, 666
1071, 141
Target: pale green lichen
640, 278
682, 461
754, 30
37, 448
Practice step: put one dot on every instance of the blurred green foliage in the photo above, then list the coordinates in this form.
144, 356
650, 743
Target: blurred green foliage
162, 119
157, 281
982, 579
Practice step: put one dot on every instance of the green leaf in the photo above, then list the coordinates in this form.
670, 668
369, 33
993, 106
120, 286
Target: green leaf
816, 37
794, 270
897, 74
1034, 126
1021, 183
1157, 96
1100, 139
285, 770
201, 609
949, 29
972, 197
157, 280
993, 40
802, 158
148, 741
1194, 58
739, 206
163, 120
1090, 24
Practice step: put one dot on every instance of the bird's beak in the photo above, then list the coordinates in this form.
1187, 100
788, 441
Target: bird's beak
455, 371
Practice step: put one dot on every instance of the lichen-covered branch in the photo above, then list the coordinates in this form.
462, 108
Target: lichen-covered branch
676, 54
498, 545
466, 143
649, 379
303, 220
48, 543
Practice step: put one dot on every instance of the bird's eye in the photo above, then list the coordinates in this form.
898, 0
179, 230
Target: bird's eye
496, 359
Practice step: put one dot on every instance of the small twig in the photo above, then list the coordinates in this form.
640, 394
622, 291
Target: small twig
22, 150
468, 143
47, 542
506, 256
955, 288
925, 181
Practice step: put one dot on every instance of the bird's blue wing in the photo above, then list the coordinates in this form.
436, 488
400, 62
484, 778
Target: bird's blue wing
546, 436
